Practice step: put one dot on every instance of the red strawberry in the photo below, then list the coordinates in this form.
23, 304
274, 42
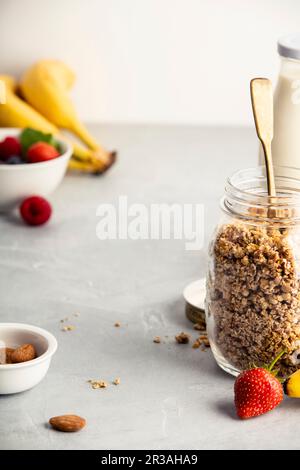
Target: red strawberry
8, 147
35, 210
41, 152
257, 391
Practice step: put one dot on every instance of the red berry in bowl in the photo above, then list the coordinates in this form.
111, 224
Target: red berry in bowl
8, 147
35, 210
41, 152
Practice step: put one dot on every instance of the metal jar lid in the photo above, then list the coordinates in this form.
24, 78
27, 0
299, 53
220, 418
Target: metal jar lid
289, 46
194, 295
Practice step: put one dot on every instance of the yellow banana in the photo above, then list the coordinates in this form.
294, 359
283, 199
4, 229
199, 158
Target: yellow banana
17, 113
292, 385
45, 86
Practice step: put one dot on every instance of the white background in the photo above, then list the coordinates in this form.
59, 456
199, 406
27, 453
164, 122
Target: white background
164, 61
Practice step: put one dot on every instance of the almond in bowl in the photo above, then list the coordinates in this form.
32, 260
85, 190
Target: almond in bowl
25, 355
5, 355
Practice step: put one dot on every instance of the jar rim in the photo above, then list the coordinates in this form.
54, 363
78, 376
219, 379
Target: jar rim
246, 192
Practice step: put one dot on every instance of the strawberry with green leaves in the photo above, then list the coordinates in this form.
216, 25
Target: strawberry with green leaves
257, 391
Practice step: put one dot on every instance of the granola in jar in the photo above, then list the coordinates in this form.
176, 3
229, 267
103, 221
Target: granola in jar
253, 283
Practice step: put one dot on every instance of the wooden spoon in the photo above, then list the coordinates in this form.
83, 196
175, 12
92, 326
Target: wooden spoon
262, 105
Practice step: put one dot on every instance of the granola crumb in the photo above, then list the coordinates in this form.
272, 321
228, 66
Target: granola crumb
63, 320
117, 381
98, 384
157, 339
68, 328
198, 327
117, 324
182, 338
205, 342
202, 342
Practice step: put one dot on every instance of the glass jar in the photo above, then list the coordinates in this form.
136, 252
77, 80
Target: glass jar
286, 141
253, 280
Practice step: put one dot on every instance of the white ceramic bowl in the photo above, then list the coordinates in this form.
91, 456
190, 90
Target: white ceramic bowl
20, 181
19, 377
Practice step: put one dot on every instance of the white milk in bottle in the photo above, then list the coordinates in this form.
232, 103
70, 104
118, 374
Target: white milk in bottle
286, 141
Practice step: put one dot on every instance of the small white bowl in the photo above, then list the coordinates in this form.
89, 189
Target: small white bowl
15, 378
20, 181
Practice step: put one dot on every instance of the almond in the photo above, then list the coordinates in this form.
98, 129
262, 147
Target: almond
24, 353
5, 355
67, 423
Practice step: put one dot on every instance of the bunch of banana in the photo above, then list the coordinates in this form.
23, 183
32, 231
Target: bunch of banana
44, 105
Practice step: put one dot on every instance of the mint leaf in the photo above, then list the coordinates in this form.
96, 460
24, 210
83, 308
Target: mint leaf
30, 136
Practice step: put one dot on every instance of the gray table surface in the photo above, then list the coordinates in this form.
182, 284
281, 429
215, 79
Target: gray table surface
171, 396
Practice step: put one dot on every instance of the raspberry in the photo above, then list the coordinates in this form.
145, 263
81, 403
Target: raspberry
8, 147
41, 152
35, 210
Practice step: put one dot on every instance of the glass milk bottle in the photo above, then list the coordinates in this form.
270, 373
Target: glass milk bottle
286, 141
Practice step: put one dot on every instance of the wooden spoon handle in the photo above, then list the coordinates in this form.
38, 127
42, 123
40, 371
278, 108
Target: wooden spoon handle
269, 168
262, 105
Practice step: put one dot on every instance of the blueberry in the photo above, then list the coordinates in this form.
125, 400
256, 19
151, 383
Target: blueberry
14, 160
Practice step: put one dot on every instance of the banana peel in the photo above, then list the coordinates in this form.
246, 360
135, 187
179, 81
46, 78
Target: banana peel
45, 86
15, 112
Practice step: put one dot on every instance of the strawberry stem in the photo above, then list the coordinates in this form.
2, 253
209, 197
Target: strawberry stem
275, 360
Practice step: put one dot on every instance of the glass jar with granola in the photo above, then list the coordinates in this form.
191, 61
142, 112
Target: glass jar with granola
253, 281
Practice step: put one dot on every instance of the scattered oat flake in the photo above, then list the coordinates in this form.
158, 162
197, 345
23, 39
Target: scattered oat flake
157, 339
117, 324
182, 338
68, 328
117, 381
77, 314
